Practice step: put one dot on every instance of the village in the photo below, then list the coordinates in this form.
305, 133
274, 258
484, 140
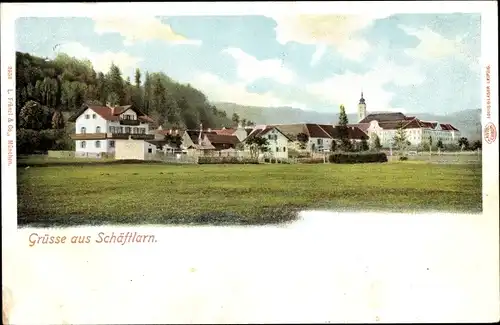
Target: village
125, 132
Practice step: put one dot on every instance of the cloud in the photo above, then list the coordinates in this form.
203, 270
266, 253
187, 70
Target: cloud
220, 90
434, 46
318, 54
249, 69
346, 88
100, 61
143, 29
338, 31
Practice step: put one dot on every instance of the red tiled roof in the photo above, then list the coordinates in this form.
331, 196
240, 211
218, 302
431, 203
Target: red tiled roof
315, 131
362, 126
222, 139
353, 132
110, 114
448, 127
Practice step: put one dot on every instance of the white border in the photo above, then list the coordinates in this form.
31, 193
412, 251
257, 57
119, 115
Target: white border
489, 45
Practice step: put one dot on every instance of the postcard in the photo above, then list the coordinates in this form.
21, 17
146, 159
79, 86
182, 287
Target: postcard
269, 162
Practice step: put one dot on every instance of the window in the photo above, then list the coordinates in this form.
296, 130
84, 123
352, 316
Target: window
111, 144
111, 129
97, 129
143, 131
83, 130
277, 149
320, 141
127, 129
87, 116
98, 144
121, 129
83, 144
135, 131
94, 116
150, 150
284, 149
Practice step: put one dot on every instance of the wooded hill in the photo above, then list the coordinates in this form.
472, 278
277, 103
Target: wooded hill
48, 89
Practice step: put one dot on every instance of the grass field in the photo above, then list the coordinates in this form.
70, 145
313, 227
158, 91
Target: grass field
236, 194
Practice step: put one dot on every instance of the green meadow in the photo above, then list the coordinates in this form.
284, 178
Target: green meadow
237, 194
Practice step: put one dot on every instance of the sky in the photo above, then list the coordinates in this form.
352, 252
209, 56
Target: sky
417, 63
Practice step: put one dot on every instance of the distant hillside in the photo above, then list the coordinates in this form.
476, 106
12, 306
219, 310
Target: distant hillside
467, 121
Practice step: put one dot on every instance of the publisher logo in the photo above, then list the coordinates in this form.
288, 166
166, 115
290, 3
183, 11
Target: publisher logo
490, 133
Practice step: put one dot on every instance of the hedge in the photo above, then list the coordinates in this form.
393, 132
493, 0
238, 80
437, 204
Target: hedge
226, 160
357, 158
276, 160
311, 160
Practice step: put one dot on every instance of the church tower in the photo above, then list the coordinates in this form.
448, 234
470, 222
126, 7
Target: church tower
361, 108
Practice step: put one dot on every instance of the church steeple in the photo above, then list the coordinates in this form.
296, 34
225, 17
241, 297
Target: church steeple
362, 100
361, 108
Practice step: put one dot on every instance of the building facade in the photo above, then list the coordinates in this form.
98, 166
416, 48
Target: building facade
418, 132
98, 128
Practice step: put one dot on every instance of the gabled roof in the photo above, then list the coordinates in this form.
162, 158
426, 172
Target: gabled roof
261, 131
316, 131
353, 132
448, 127
225, 131
222, 139
109, 113
362, 126
382, 117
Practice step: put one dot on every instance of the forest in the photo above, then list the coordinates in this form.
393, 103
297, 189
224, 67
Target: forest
49, 91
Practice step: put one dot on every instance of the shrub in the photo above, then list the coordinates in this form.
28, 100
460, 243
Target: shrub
403, 158
357, 158
226, 160
310, 160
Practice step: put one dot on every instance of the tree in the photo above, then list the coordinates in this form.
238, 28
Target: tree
463, 143
173, 140
333, 146
400, 139
32, 116
476, 145
375, 143
115, 83
430, 144
58, 120
257, 145
345, 144
439, 144
235, 118
364, 145
302, 138
113, 99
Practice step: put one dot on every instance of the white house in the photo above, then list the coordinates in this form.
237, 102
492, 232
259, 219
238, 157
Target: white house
98, 128
277, 141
